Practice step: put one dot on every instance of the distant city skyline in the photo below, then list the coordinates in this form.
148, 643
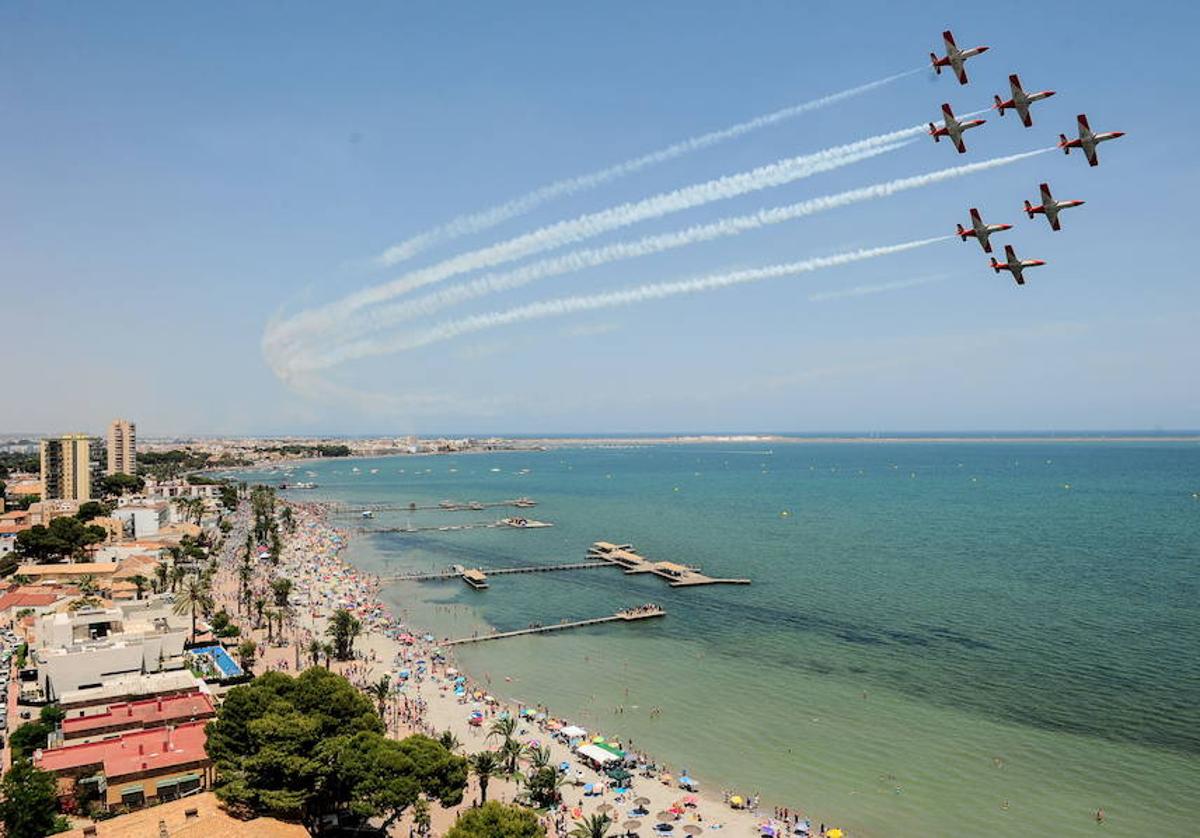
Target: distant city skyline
180, 179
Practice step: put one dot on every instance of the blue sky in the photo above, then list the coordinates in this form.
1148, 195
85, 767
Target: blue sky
173, 176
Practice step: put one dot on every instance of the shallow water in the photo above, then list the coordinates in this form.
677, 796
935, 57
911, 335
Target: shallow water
961, 638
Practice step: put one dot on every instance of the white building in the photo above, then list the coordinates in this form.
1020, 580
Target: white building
89, 647
145, 518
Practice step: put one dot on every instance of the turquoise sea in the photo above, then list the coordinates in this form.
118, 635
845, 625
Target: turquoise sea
967, 638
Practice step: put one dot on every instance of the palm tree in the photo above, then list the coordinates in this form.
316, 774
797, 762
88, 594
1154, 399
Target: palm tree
380, 691
449, 741
504, 727
510, 753
327, 650
177, 574
87, 585
270, 615
245, 575
192, 597
484, 765
259, 604
314, 649
282, 589
539, 757
595, 826
139, 582
160, 575
343, 627
246, 652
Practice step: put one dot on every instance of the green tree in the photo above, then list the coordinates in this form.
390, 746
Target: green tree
121, 484
344, 628
139, 582
495, 820
314, 651
65, 538
504, 727
484, 765
449, 741
160, 576
542, 786
281, 589
595, 826
246, 652
29, 801
193, 598
510, 755
422, 820
91, 509
380, 691
380, 777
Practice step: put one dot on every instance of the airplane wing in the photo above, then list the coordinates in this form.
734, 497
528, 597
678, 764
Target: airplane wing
1054, 224
948, 39
960, 70
1019, 275
986, 241
1085, 130
958, 143
1023, 111
1089, 151
1046, 196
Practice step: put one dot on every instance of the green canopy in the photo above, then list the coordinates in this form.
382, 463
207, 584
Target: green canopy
618, 774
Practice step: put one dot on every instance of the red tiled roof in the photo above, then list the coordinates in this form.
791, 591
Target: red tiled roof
21, 599
150, 712
137, 752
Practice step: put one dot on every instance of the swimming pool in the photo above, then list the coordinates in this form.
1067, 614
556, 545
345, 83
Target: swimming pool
221, 659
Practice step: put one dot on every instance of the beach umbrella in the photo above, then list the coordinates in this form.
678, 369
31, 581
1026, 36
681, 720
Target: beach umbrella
690, 800
767, 829
834, 833
604, 808
641, 801
737, 801
665, 816
692, 829
630, 826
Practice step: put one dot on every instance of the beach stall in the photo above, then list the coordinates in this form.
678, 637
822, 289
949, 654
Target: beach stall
596, 756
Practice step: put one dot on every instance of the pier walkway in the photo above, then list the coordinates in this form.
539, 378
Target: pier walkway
507, 523
456, 573
627, 616
444, 506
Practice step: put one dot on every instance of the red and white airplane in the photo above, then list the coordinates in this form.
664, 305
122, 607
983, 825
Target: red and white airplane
1050, 207
1021, 100
1087, 140
952, 128
954, 58
982, 232
1014, 265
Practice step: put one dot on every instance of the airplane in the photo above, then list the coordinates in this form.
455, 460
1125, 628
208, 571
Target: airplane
1014, 265
954, 58
982, 232
952, 128
1021, 100
1050, 207
1087, 140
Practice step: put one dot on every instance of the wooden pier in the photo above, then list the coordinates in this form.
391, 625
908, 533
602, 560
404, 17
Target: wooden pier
628, 616
457, 573
444, 506
506, 523
676, 575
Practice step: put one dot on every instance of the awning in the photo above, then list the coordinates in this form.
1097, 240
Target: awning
134, 789
573, 732
597, 754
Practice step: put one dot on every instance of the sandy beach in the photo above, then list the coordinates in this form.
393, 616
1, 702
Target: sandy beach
430, 695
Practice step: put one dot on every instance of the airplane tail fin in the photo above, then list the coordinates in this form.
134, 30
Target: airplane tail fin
933, 133
999, 104
995, 265
1062, 143
962, 234
1029, 209
933, 59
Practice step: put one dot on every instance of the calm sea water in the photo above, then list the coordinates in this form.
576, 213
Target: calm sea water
941, 639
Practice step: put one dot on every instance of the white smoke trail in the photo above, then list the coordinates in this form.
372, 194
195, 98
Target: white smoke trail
868, 290
488, 218
591, 302
593, 257
586, 226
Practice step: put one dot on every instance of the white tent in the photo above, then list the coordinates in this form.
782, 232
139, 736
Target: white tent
598, 755
573, 732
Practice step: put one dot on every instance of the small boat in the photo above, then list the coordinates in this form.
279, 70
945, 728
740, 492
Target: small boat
367, 513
